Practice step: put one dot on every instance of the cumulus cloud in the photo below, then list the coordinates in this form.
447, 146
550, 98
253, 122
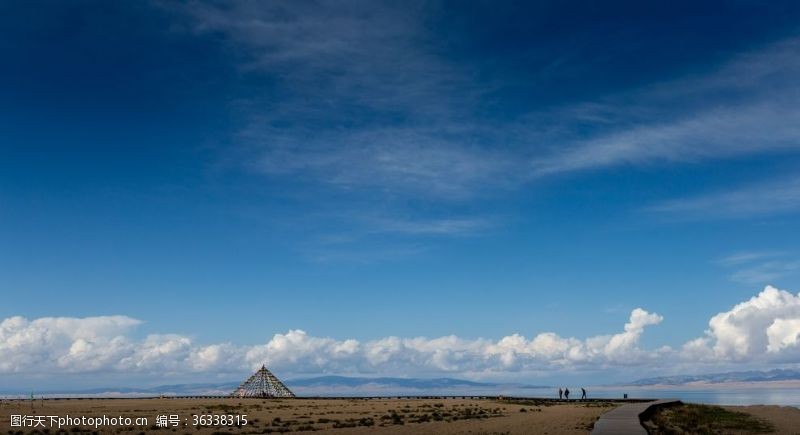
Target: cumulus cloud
51, 345
765, 328
63, 343
783, 334
92, 344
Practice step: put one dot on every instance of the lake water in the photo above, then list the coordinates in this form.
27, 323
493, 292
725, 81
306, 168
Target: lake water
783, 396
726, 396
711, 396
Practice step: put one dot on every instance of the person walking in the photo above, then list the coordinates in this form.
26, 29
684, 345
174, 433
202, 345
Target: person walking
566, 393
583, 393
560, 394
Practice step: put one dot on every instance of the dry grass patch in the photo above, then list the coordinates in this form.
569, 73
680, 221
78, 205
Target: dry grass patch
705, 419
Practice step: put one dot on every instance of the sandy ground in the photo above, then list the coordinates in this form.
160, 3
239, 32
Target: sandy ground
337, 416
786, 419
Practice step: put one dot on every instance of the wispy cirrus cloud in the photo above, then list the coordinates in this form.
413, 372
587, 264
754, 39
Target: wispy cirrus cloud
393, 161
711, 134
758, 267
767, 271
375, 229
745, 106
363, 100
366, 98
446, 226
747, 257
762, 199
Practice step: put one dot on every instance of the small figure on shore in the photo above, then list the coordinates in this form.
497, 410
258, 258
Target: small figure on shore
583, 393
566, 393
560, 394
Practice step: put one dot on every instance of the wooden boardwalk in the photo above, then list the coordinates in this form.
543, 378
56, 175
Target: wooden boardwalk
627, 419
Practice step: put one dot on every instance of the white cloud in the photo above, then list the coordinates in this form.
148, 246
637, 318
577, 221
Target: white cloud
104, 344
63, 343
453, 354
760, 328
100, 344
619, 346
783, 334
764, 329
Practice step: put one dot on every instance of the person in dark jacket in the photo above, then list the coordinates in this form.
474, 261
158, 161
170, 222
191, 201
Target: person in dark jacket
560, 394
566, 393
583, 393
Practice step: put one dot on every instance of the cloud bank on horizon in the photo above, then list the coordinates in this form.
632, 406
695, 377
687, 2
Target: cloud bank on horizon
764, 329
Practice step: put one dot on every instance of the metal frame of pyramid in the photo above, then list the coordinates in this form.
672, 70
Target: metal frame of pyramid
262, 384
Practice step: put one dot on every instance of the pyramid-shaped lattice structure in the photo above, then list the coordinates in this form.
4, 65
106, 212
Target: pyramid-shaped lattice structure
262, 384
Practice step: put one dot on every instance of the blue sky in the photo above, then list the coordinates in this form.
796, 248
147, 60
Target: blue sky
218, 173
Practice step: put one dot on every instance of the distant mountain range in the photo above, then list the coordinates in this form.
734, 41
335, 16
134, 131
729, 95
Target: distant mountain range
166, 390
720, 378
350, 382
317, 386
363, 386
